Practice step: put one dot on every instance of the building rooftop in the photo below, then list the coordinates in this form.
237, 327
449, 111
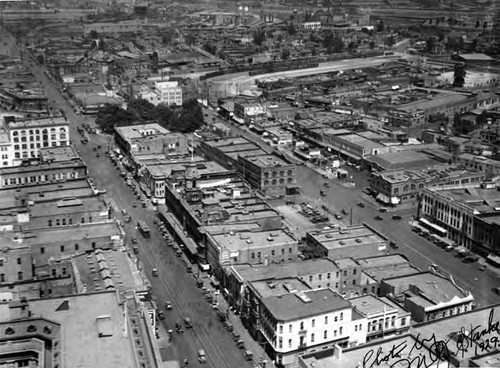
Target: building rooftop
250, 273
57, 154
248, 240
108, 269
276, 287
82, 322
77, 232
41, 167
451, 327
368, 354
479, 199
38, 123
357, 235
68, 206
290, 307
137, 131
432, 289
360, 141
403, 159
382, 261
203, 168
372, 305
267, 161
436, 101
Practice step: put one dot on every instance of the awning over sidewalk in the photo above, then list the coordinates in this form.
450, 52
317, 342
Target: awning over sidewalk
493, 259
383, 198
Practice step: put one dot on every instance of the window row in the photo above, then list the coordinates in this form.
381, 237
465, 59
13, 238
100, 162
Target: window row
16, 133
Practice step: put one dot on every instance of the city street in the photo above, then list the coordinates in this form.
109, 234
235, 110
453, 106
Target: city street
173, 283
421, 252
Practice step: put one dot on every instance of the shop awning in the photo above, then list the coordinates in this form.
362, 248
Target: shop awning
493, 259
395, 200
383, 198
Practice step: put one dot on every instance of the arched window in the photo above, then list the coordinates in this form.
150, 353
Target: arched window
10, 331
31, 328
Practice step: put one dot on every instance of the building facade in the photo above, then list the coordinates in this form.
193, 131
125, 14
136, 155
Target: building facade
268, 173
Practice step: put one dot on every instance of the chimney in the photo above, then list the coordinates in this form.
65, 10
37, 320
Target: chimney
337, 352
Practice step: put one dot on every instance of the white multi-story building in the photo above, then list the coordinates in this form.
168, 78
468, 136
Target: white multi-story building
304, 321
168, 93
22, 139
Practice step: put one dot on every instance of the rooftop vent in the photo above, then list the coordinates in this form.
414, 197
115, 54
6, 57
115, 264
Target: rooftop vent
303, 297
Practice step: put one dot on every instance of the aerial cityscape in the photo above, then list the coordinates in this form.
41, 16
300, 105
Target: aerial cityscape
250, 184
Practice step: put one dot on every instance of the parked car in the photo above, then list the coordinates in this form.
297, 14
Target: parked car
379, 218
396, 217
361, 204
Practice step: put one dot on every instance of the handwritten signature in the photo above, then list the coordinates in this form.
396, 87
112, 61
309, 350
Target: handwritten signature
476, 339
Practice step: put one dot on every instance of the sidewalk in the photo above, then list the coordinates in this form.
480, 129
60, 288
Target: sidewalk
259, 355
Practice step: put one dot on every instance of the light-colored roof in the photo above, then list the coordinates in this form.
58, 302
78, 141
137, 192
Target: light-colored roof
276, 287
434, 288
264, 161
291, 307
249, 240
304, 268
39, 123
371, 305
138, 131
357, 235
80, 329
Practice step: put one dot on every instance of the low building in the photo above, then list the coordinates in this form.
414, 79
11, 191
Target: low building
67, 212
43, 173
425, 302
296, 323
278, 137
150, 139
355, 241
168, 93
65, 242
271, 174
394, 187
29, 101
385, 318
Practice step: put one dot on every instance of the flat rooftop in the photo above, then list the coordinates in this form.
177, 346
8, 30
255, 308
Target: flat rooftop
359, 141
434, 288
276, 287
103, 269
267, 161
203, 168
371, 305
403, 159
352, 358
249, 240
38, 123
82, 321
68, 206
41, 167
382, 261
77, 232
357, 235
450, 327
482, 200
227, 142
56, 154
291, 307
139, 130
251, 273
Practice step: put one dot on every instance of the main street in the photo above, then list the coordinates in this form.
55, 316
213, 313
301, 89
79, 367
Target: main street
173, 283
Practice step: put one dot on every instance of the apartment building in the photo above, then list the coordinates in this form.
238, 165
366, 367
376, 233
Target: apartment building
27, 137
295, 323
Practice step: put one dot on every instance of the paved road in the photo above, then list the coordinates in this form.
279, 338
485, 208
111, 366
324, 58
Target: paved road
173, 282
421, 252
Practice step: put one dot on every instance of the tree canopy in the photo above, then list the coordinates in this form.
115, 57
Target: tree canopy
184, 119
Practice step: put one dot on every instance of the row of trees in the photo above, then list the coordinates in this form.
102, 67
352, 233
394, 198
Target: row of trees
184, 119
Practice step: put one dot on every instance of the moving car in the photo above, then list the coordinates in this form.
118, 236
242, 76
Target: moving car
396, 217
155, 272
379, 218
361, 204
168, 305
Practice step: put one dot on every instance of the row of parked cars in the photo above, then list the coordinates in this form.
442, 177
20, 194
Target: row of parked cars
312, 214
